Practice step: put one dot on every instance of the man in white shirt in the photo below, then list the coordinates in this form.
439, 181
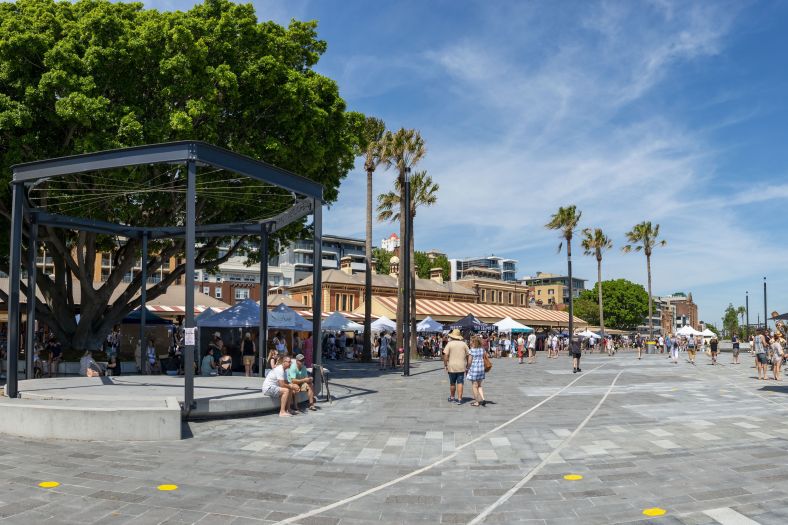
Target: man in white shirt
276, 385
532, 348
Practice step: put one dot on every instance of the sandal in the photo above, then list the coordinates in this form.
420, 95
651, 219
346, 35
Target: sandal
313, 408
475, 404
286, 415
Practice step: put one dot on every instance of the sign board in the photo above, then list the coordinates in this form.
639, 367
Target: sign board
282, 318
188, 336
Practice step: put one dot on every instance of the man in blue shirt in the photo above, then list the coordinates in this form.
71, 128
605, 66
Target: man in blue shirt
297, 375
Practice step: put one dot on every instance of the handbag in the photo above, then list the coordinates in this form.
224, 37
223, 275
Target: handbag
487, 363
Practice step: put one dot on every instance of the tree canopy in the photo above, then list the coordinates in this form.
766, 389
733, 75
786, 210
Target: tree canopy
91, 75
626, 304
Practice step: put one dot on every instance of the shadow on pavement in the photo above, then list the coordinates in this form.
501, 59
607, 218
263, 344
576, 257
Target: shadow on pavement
782, 389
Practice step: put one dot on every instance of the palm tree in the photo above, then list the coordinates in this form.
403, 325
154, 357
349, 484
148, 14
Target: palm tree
566, 220
741, 311
370, 147
423, 192
644, 237
402, 150
594, 243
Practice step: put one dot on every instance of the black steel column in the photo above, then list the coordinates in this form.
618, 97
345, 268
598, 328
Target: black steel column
317, 283
32, 252
188, 367
747, 308
14, 276
765, 314
406, 277
143, 301
263, 335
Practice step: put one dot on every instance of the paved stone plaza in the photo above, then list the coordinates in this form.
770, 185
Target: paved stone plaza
704, 444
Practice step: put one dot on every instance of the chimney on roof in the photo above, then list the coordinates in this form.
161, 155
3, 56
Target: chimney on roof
394, 266
436, 274
346, 264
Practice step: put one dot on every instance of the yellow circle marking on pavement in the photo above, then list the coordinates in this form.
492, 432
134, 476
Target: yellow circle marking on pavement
573, 477
48, 484
167, 487
654, 511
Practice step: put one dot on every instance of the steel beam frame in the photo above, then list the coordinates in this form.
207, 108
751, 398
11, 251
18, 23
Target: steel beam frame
191, 153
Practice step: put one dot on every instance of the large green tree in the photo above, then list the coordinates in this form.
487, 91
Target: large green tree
423, 192
645, 237
626, 304
730, 320
402, 150
369, 148
84, 76
565, 220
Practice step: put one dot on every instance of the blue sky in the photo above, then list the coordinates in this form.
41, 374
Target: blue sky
658, 110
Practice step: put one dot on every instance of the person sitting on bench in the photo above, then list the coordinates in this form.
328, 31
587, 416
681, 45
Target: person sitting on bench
225, 363
88, 367
275, 386
297, 375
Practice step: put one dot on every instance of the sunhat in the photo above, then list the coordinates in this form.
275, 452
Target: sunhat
455, 334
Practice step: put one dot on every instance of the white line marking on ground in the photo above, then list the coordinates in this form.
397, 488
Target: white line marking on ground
451, 456
503, 499
728, 516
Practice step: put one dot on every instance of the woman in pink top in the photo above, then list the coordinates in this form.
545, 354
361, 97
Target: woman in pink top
307, 348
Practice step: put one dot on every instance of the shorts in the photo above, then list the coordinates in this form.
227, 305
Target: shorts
248, 360
761, 358
456, 377
273, 391
735, 351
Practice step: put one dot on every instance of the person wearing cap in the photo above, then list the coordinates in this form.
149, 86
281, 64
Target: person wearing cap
298, 376
275, 385
456, 361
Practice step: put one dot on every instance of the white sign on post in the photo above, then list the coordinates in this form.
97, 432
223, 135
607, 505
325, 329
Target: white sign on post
188, 336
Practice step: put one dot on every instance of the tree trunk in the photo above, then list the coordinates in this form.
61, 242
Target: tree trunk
412, 276
599, 285
366, 355
571, 299
402, 273
650, 318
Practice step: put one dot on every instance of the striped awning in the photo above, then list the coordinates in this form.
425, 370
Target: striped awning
177, 310
448, 310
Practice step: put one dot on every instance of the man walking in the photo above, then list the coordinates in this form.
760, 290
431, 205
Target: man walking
531, 348
456, 361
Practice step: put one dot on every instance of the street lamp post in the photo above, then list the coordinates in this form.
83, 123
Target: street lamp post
406, 280
747, 309
765, 316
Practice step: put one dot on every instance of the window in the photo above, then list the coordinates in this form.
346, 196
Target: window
511, 297
241, 293
500, 296
522, 298
484, 295
539, 292
218, 279
551, 292
206, 290
344, 302
304, 300
218, 292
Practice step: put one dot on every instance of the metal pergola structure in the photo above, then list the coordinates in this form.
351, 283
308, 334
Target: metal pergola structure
308, 200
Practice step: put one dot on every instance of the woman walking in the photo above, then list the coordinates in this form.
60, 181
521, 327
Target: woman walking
476, 371
759, 350
735, 342
248, 351
713, 344
575, 351
777, 355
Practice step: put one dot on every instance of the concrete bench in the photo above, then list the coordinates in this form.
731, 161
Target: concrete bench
92, 420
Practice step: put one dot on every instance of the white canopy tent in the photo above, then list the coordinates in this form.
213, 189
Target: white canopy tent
708, 333
509, 325
429, 325
588, 334
383, 323
687, 331
340, 323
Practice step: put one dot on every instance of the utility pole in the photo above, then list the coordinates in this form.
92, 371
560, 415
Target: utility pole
747, 308
765, 315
